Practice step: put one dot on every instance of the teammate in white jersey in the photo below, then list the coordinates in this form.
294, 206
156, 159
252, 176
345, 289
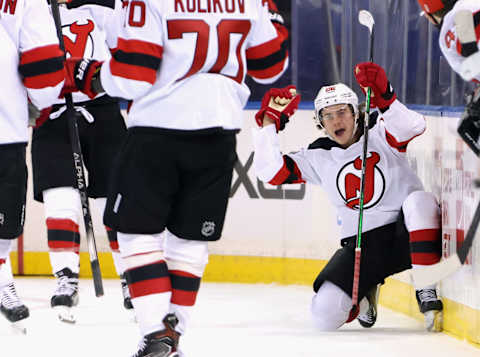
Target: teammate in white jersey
183, 63
401, 222
89, 30
459, 23
32, 69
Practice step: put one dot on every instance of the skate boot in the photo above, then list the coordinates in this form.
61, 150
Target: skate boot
369, 318
127, 301
431, 307
66, 295
161, 343
12, 308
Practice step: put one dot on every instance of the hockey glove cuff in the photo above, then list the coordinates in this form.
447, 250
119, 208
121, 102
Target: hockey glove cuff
469, 127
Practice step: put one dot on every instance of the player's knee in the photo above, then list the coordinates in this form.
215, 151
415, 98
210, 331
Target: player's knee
62, 202
139, 244
330, 307
185, 255
421, 211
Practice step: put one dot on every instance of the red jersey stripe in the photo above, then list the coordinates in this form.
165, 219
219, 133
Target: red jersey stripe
268, 72
40, 54
142, 47
44, 80
129, 71
265, 49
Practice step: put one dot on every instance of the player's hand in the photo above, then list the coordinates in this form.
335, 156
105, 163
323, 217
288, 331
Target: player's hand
82, 72
372, 75
278, 104
37, 117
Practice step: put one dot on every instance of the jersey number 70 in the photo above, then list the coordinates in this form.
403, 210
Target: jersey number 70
176, 29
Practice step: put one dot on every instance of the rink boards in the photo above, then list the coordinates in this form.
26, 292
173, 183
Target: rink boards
285, 234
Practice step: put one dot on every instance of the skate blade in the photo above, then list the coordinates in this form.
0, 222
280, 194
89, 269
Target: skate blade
434, 321
65, 314
19, 328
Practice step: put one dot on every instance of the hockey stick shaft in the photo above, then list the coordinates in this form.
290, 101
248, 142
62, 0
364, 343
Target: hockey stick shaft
79, 168
366, 19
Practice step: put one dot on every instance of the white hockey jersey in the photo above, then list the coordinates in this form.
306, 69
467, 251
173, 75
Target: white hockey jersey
90, 30
389, 178
31, 63
449, 43
184, 62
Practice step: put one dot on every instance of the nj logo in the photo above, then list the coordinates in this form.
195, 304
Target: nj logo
78, 39
349, 177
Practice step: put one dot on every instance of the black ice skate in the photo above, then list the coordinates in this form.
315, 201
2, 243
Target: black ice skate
431, 307
127, 301
12, 308
369, 318
66, 295
161, 343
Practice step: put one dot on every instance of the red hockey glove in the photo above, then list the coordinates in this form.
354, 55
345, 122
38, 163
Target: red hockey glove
83, 72
371, 75
279, 104
37, 117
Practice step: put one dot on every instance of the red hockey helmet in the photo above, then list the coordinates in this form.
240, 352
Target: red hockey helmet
432, 6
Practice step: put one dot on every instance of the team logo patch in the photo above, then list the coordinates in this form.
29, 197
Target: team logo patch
349, 185
78, 39
208, 228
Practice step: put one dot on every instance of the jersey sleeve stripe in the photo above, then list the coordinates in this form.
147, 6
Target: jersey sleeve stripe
288, 173
137, 60
137, 46
43, 74
400, 146
41, 53
42, 67
269, 72
129, 71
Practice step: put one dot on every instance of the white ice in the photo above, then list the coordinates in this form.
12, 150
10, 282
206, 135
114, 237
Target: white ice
230, 320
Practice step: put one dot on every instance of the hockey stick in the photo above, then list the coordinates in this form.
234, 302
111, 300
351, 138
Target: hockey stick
78, 163
366, 19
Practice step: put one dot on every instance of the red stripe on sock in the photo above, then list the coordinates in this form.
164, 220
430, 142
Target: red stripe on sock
62, 225
149, 287
425, 258
184, 298
425, 235
56, 245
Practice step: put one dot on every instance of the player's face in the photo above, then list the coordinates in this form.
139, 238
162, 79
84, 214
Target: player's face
339, 122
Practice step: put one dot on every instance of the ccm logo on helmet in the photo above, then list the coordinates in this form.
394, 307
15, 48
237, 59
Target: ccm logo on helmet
330, 89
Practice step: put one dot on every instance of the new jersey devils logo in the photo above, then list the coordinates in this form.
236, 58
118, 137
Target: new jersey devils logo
78, 39
349, 177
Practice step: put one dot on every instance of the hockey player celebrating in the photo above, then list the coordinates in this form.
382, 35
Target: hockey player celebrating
183, 64
459, 26
397, 211
89, 30
32, 67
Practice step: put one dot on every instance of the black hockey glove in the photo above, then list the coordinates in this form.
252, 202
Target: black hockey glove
469, 128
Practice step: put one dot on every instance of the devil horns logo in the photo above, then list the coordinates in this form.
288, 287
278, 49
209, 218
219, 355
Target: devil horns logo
349, 182
78, 39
